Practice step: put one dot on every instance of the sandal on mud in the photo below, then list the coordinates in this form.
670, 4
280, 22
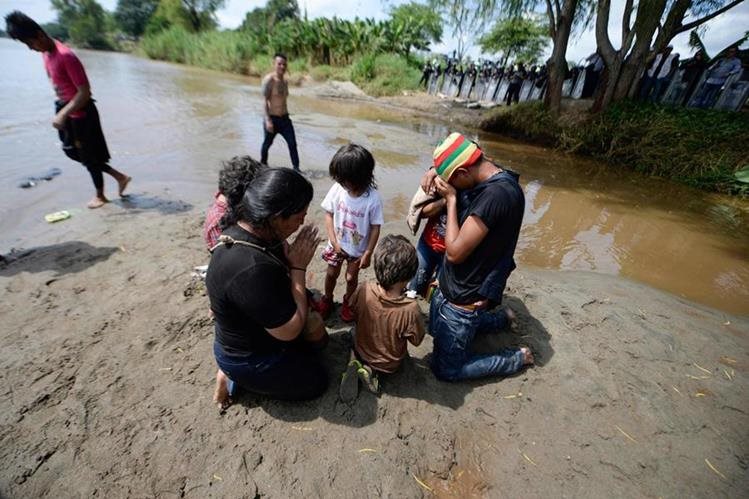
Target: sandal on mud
369, 379
349, 388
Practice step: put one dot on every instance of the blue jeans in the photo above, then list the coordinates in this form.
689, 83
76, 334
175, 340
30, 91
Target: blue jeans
660, 86
453, 330
282, 125
430, 263
646, 86
708, 95
291, 374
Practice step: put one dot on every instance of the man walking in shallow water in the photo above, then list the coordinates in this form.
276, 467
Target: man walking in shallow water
76, 118
276, 119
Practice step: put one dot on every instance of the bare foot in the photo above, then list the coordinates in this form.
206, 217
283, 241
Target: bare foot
221, 393
97, 202
527, 356
123, 184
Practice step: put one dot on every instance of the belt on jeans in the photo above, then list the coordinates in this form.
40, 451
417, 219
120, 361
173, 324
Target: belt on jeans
472, 307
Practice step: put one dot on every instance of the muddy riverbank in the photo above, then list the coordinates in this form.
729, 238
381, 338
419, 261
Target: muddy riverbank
632, 294
107, 377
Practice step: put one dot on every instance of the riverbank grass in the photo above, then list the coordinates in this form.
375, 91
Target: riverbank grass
701, 148
384, 74
237, 52
228, 51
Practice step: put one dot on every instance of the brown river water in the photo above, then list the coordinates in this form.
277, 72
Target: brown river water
169, 126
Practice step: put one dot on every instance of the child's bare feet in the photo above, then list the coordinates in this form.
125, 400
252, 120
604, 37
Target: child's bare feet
97, 202
122, 184
527, 356
221, 394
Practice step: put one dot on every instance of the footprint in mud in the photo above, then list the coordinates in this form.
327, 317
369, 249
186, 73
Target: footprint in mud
138, 202
33, 181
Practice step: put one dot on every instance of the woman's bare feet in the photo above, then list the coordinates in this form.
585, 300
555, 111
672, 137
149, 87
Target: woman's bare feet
221, 394
122, 184
97, 202
527, 356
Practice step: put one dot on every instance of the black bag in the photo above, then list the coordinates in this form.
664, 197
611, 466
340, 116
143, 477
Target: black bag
67, 137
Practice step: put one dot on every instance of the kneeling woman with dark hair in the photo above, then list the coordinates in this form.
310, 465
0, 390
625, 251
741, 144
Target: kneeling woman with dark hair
266, 336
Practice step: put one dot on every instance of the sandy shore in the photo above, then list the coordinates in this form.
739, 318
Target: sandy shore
106, 375
435, 107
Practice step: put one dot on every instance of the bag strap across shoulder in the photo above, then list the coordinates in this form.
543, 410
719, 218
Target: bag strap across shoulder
228, 241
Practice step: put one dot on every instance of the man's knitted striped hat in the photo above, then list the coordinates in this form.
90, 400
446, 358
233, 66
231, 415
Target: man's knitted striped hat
455, 152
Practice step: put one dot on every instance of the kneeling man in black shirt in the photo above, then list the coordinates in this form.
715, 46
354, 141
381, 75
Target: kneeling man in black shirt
485, 207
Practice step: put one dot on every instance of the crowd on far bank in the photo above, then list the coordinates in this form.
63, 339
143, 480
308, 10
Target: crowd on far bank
720, 83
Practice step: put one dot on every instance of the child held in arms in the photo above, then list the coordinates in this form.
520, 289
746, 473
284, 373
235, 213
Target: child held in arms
386, 320
353, 216
233, 179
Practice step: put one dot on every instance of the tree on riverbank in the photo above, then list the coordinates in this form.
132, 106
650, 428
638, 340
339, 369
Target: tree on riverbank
334, 41
375, 54
563, 17
86, 22
261, 20
522, 39
466, 20
423, 23
656, 23
132, 15
192, 15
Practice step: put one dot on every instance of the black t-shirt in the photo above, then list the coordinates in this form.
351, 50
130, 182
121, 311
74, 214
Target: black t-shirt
499, 203
250, 292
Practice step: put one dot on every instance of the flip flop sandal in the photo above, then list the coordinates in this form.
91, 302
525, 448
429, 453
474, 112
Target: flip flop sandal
349, 388
369, 379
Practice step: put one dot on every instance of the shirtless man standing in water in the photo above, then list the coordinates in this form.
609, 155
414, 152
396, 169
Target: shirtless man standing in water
276, 116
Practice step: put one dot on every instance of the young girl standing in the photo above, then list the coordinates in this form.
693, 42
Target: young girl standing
353, 216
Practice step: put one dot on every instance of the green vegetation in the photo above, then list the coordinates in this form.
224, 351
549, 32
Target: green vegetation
374, 54
279, 26
224, 51
384, 74
324, 72
133, 15
86, 22
236, 52
701, 148
56, 30
522, 39
190, 15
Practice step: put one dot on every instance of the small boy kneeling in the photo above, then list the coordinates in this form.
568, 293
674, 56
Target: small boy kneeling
385, 318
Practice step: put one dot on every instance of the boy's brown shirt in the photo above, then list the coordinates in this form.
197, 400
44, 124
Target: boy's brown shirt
384, 325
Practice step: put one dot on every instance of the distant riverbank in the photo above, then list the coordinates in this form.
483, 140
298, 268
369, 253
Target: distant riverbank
234, 52
700, 148
695, 147
691, 146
